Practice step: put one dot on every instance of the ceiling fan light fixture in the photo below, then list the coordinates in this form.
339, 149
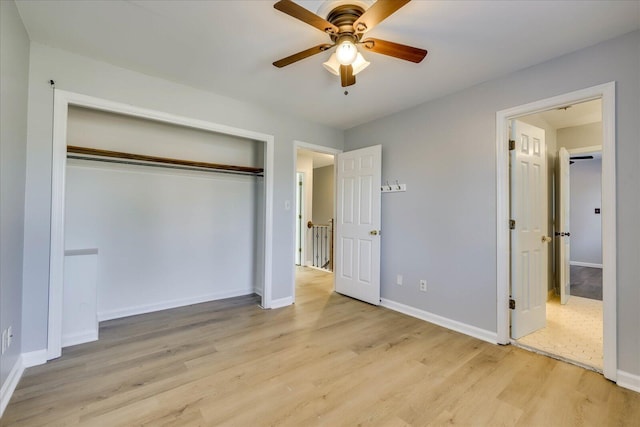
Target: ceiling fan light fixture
359, 64
332, 65
347, 52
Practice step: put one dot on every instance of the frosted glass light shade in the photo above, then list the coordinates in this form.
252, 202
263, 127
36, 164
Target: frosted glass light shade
346, 52
332, 65
359, 64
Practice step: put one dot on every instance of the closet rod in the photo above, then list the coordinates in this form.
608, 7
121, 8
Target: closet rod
71, 149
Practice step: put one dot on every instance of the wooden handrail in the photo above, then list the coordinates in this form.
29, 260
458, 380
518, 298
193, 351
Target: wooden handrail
144, 158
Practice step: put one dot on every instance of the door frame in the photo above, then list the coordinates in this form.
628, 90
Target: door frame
605, 92
297, 145
300, 240
62, 101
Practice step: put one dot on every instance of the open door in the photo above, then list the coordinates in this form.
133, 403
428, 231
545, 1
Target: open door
563, 234
357, 263
529, 240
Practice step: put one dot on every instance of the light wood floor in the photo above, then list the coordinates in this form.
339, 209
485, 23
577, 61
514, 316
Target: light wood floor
328, 361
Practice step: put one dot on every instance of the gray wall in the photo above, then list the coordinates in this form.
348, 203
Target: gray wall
443, 228
14, 69
323, 194
80, 74
585, 224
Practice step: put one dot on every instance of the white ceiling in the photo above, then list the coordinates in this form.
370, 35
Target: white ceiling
228, 47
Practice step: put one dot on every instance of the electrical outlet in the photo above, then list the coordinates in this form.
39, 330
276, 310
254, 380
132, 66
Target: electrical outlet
423, 285
9, 336
399, 279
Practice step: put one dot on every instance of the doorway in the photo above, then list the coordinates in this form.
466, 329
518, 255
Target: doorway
573, 330
606, 93
315, 210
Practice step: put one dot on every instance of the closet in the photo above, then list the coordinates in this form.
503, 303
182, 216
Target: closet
172, 215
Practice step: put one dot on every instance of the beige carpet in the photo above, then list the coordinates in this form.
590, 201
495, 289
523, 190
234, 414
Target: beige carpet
573, 332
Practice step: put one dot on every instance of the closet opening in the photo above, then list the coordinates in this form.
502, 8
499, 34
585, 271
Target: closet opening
152, 211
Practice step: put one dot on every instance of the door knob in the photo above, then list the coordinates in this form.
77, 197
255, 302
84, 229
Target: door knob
546, 239
374, 232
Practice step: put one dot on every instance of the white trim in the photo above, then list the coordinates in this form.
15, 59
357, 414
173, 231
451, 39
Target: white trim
454, 325
281, 302
605, 92
629, 381
166, 305
34, 358
10, 384
62, 100
297, 145
79, 338
585, 264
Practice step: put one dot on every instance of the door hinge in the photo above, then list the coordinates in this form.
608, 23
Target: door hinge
512, 304
512, 145
512, 224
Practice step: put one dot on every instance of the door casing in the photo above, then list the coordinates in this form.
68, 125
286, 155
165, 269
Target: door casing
605, 92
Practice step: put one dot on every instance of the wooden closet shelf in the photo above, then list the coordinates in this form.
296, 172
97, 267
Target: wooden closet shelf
144, 158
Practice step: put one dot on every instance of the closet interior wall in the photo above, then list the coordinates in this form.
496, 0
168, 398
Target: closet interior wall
165, 237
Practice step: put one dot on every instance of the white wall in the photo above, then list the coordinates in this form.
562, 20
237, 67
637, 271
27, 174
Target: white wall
587, 135
165, 238
76, 73
586, 225
443, 228
14, 67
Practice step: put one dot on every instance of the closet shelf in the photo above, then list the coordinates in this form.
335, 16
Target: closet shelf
71, 149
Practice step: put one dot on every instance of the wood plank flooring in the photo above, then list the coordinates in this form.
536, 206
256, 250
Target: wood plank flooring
326, 361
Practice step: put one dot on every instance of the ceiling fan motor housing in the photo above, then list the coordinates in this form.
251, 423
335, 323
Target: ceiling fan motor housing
343, 17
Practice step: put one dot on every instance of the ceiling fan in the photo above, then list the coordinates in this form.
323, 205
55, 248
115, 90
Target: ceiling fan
346, 25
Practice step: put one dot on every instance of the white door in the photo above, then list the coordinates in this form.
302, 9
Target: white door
529, 240
563, 233
357, 272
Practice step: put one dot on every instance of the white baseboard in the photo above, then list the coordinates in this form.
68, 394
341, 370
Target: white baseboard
585, 264
629, 381
165, 305
282, 302
481, 334
79, 338
34, 358
10, 384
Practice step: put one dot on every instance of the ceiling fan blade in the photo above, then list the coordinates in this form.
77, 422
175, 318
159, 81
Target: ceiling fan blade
306, 16
346, 75
378, 12
396, 50
301, 55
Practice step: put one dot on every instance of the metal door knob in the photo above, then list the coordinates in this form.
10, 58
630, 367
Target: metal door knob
546, 239
374, 232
